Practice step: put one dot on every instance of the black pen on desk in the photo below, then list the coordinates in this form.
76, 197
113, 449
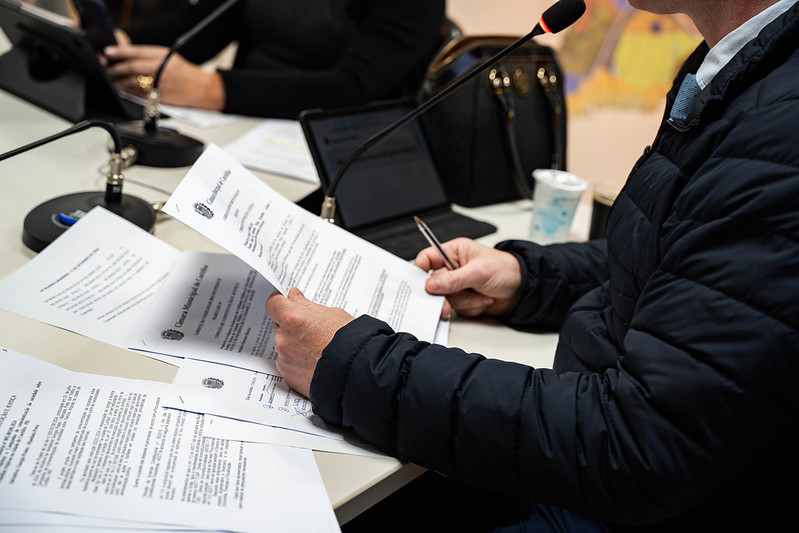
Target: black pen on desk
434, 242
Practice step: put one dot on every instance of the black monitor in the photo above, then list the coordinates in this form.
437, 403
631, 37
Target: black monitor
52, 64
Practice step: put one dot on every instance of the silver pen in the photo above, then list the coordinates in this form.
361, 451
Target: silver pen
434, 242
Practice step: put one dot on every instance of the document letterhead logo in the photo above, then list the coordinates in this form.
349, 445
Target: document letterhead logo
213, 383
203, 210
172, 335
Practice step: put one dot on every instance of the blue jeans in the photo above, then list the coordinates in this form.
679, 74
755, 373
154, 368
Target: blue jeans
434, 503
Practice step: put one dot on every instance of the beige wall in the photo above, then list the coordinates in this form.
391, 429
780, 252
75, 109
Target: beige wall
603, 144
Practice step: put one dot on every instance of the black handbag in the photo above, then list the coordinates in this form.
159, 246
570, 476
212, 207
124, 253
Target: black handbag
488, 136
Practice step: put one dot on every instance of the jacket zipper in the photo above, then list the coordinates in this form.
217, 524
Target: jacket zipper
642, 159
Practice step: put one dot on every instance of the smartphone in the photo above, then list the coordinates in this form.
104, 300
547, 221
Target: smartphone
96, 22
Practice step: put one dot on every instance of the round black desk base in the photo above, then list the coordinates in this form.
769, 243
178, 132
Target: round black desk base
43, 224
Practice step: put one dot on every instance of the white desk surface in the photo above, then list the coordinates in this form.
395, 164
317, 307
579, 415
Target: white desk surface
72, 164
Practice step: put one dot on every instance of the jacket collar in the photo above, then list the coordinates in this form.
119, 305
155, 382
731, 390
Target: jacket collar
775, 42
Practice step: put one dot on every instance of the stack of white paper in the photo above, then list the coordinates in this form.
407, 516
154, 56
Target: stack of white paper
84, 451
136, 451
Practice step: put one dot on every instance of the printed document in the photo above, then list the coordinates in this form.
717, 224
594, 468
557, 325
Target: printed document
106, 447
257, 397
277, 146
14, 521
211, 308
102, 278
98, 279
229, 428
291, 247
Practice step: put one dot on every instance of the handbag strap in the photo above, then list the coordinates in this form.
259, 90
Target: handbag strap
553, 90
500, 82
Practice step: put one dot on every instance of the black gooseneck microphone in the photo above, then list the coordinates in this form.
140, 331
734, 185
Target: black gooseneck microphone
164, 147
47, 221
555, 19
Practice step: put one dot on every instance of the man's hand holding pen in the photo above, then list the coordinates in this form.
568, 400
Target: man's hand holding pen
485, 281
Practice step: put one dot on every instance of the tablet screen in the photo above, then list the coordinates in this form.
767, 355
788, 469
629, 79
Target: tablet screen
395, 178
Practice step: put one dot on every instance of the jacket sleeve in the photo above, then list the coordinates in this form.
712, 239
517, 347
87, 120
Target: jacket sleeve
553, 278
484, 421
397, 39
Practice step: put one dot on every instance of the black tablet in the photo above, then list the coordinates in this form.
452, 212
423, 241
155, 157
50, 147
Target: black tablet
53, 65
396, 178
389, 184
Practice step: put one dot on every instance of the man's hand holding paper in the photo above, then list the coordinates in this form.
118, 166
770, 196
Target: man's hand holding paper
302, 330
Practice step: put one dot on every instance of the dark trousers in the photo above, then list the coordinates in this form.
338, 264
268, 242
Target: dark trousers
435, 503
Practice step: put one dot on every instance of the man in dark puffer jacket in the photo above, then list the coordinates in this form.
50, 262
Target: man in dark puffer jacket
672, 405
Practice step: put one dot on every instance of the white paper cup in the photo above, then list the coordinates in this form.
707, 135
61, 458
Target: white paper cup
555, 198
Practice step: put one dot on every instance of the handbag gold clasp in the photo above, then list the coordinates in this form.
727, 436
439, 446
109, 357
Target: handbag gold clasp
547, 80
499, 79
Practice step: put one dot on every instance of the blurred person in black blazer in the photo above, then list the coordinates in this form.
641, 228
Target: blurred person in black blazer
292, 54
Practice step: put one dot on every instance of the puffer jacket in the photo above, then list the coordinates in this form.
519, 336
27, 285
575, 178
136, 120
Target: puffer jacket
673, 402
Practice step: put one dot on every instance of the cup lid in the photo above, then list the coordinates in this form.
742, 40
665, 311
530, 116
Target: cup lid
560, 179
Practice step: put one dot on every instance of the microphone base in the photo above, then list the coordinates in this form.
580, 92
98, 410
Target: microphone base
42, 224
163, 147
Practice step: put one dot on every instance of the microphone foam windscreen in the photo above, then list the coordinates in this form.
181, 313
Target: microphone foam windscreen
563, 14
